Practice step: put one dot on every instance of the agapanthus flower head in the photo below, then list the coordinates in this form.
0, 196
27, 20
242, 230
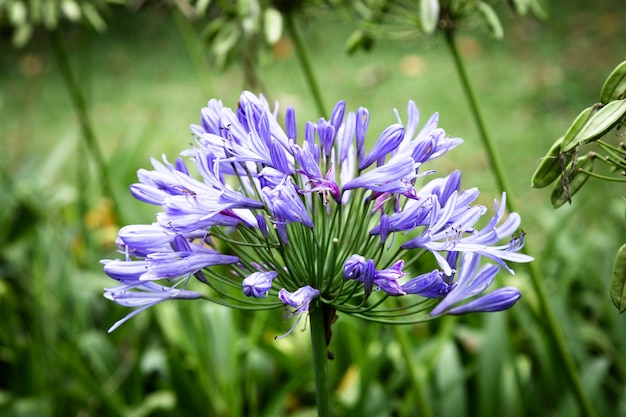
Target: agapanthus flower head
326, 216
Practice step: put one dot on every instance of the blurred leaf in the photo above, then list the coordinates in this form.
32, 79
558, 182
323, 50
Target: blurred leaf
71, 10
599, 124
225, 41
18, 13
359, 40
202, 6
450, 375
429, 15
576, 127
22, 35
571, 183
160, 400
615, 86
50, 14
273, 25
249, 16
549, 167
493, 355
92, 15
538, 7
211, 30
520, 6
618, 283
492, 19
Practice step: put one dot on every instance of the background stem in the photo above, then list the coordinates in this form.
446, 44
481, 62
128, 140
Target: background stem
80, 108
550, 323
305, 62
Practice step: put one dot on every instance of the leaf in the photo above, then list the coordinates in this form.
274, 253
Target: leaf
492, 20
599, 124
18, 14
615, 86
429, 15
549, 168
202, 6
521, 7
539, 8
50, 14
71, 10
224, 42
93, 17
273, 25
571, 183
618, 282
576, 127
22, 35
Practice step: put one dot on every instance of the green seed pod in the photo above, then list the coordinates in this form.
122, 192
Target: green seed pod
571, 181
618, 282
615, 86
549, 167
599, 124
576, 127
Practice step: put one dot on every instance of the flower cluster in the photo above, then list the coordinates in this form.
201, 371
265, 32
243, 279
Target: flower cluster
277, 217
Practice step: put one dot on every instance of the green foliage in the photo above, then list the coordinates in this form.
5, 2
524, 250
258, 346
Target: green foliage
591, 126
191, 358
408, 19
24, 16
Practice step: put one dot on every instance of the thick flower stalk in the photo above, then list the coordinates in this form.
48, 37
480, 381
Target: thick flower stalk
322, 216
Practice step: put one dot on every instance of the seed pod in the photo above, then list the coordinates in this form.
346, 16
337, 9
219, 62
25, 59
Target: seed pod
618, 282
571, 181
549, 168
598, 124
615, 86
576, 127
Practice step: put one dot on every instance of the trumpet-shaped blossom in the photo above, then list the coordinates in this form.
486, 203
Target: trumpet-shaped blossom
312, 217
258, 284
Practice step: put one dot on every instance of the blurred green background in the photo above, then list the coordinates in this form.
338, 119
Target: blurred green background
145, 79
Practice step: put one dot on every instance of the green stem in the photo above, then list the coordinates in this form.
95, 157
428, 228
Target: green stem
195, 53
305, 62
550, 322
80, 108
319, 347
420, 397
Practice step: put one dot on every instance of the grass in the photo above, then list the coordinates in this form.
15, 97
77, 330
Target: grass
188, 358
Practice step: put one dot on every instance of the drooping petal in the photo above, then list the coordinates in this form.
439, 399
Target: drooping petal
498, 300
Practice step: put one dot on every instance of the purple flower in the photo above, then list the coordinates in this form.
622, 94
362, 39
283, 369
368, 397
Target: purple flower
144, 295
498, 300
285, 204
471, 282
388, 141
430, 284
299, 300
395, 176
363, 270
387, 279
258, 284
278, 208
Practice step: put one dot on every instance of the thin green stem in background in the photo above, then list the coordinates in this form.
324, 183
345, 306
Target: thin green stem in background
195, 52
423, 408
318, 317
305, 62
550, 322
80, 108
